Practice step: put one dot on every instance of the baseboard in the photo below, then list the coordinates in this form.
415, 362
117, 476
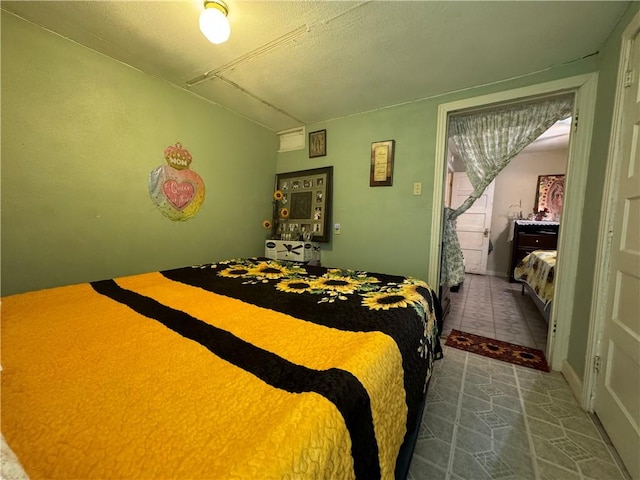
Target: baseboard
575, 383
496, 274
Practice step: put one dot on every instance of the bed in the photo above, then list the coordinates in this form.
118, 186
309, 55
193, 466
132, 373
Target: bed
536, 272
247, 368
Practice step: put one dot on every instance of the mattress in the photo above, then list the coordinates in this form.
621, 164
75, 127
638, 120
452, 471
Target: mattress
248, 368
538, 271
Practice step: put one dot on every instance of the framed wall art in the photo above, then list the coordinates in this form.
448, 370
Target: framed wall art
305, 203
317, 143
550, 196
382, 163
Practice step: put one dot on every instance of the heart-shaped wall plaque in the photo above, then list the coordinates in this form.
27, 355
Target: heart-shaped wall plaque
179, 194
176, 190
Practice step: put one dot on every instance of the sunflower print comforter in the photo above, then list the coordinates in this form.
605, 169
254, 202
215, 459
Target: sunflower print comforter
538, 271
249, 368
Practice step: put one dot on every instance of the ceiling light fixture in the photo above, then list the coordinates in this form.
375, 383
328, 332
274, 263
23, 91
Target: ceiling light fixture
213, 21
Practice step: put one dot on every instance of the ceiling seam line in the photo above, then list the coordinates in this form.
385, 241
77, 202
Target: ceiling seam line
267, 47
247, 92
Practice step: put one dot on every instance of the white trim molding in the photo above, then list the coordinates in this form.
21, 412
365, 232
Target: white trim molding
585, 87
493, 273
572, 378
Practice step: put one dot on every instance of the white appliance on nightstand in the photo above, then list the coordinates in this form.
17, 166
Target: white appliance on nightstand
293, 250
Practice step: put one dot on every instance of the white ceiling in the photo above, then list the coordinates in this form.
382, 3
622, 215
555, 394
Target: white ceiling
292, 63
555, 138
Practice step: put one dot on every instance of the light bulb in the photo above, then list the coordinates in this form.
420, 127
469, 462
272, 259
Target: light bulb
214, 25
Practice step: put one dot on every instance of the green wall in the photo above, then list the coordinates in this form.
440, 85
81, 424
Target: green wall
607, 83
384, 229
80, 134
388, 228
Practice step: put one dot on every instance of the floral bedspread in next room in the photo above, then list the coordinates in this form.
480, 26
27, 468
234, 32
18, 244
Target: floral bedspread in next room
538, 271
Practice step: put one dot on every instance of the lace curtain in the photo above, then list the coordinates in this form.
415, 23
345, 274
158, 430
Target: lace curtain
486, 142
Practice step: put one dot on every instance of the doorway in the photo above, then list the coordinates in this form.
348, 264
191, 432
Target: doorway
473, 227
486, 235
488, 303
585, 88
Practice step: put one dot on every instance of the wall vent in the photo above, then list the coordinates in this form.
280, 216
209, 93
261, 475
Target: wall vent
292, 139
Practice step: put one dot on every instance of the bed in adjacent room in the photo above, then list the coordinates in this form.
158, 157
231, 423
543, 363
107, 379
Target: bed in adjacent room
536, 272
250, 368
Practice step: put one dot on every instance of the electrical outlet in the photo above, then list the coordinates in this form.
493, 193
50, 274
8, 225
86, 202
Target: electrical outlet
336, 228
417, 188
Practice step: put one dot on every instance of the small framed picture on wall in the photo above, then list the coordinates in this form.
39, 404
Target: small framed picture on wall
318, 143
382, 163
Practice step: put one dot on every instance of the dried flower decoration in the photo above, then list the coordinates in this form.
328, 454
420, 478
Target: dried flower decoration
540, 214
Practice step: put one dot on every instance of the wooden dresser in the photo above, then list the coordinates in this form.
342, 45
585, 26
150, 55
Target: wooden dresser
528, 236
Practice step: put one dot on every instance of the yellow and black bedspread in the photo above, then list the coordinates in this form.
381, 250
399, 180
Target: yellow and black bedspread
242, 369
538, 271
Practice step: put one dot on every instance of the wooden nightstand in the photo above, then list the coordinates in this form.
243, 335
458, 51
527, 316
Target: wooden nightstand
531, 235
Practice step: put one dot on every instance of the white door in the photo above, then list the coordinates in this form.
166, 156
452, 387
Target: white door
474, 225
617, 400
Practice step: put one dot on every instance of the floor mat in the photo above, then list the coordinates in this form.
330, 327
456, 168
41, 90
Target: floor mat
507, 352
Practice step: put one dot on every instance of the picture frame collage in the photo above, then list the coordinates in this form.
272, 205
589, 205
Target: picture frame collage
306, 196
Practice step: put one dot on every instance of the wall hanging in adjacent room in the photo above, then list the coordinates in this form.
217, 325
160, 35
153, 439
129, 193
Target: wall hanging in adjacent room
549, 197
176, 190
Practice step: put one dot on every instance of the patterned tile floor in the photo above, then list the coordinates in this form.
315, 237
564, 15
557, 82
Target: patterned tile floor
492, 307
486, 419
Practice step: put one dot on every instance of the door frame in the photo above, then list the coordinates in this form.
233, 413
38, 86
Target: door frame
600, 291
585, 87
